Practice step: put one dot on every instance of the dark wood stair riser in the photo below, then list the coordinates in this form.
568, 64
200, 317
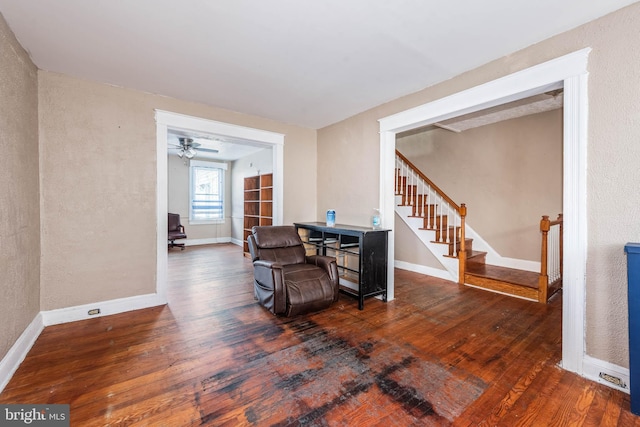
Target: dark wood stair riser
420, 207
452, 233
435, 222
468, 247
476, 258
424, 210
408, 195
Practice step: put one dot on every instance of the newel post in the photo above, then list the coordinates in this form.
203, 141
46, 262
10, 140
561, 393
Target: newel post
462, 255
543, 281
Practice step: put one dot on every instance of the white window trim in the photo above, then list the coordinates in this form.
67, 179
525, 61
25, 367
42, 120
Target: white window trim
212, 165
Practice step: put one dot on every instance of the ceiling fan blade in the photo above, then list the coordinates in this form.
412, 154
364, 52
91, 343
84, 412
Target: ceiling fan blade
187, 142
210, 150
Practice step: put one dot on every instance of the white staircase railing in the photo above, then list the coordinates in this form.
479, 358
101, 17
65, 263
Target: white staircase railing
422, 202
437, 210
551, 256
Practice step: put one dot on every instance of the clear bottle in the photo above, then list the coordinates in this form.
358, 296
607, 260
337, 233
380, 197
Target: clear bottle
331, 218
375, 220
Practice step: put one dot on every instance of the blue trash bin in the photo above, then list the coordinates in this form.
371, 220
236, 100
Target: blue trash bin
633, 274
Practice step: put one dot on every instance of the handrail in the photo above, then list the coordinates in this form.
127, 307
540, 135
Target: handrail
448, 229
435, 187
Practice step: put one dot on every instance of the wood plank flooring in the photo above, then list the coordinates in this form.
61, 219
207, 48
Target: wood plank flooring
438, 355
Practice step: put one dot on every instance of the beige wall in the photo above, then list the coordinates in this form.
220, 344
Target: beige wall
178, 187
508, 174
409, 249
178, 201
19, 191
349, 160
97, 151
348, 169
99, 185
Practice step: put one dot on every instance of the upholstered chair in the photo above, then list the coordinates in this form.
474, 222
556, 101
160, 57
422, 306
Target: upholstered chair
286, 280
176, 231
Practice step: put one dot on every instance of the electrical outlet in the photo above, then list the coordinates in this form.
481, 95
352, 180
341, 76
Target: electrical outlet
613, 380
94, 311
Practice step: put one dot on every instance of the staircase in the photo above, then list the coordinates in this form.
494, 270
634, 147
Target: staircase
440, 224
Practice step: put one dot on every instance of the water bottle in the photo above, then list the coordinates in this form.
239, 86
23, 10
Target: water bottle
375, 219
331, 218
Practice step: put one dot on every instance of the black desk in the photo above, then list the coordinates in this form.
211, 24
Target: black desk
360, 252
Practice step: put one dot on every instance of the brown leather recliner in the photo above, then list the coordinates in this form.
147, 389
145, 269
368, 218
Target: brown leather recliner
286, 281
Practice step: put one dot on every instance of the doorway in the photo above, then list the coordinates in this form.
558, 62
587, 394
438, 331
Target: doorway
168, 121
568, 72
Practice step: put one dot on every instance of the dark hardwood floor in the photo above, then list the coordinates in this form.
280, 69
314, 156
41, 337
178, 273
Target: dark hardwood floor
438, 355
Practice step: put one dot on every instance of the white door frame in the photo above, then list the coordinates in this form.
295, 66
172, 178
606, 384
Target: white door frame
570, 72
166, 120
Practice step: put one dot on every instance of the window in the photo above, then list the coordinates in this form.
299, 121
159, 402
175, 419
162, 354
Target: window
207, 192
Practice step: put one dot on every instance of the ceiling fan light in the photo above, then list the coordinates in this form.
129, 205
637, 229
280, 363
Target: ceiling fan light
190, 153
180, 153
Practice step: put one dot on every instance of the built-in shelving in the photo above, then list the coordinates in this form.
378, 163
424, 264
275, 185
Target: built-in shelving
258, 203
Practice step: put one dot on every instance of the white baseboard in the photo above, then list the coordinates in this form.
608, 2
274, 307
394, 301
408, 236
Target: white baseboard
422, 269
16, 354
207, 241
521, 264
237, 242
106, 308
606, 373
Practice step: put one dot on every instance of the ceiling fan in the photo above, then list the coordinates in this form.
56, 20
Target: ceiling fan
187, 148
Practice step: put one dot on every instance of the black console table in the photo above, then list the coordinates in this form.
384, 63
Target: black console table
360, 252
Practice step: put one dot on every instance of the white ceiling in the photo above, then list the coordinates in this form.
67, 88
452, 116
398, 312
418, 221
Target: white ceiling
228, 149
523, 107
309, 63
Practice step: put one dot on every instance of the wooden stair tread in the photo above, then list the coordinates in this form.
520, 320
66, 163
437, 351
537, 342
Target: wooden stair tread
510, 275
472, 254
